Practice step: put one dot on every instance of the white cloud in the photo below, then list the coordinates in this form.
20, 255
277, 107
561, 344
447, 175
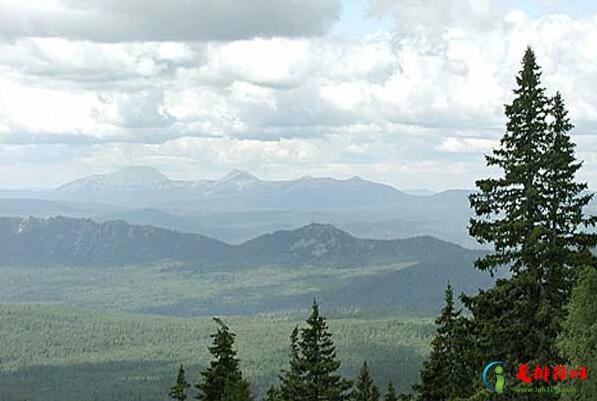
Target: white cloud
467, 145
172, 20
425, 99
270, 62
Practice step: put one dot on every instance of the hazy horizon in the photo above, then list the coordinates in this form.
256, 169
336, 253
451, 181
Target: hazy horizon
413, 190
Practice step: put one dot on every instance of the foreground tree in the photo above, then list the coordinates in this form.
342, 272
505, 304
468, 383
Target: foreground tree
533, 215
445, 373
178, 392
223, 379
320, 380
364, 388
291, 380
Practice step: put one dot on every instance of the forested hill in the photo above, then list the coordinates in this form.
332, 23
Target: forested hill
65, 241
81, 242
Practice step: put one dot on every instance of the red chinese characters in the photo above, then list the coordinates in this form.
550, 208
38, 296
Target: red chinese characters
559, 373
580, 373
544, 374
523, 374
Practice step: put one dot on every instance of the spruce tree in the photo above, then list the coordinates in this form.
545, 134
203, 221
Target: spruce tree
569, 243
178, 392
446, 372
320, 381
291, 380
532, 214
223, 379
509, 209
364, 388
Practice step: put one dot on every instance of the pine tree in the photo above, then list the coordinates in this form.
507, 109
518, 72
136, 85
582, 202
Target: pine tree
291, 380
178, 392
320, 382
566, 198
533, 215
509, 208
446, 372
390, 393
223, 380
364, 388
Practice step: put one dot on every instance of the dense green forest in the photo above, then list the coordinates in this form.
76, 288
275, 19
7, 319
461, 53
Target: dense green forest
53, 353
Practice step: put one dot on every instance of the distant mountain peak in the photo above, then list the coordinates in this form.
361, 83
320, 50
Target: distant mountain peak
320, 226
319, 229
131, 176
239, 175
144, 173
355, 178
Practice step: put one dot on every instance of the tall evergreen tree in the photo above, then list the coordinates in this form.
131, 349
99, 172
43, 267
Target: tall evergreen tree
533, 215
223, 379
446, 372
509, 208
291, 380
364, 388
320, 382
569, 246
178, 392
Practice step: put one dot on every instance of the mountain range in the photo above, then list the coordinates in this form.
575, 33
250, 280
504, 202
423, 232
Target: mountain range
317, 260
62, 241
240, 206
140, 186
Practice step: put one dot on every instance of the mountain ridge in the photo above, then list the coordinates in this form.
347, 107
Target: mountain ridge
158, 271
143, 186
71, 241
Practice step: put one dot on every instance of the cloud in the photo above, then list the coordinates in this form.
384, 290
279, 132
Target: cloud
467, 145
428, 21
425, 99
172, 20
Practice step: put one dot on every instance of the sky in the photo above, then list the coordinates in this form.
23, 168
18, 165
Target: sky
404, 92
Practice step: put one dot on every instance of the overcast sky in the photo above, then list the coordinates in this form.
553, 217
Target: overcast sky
391, 90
